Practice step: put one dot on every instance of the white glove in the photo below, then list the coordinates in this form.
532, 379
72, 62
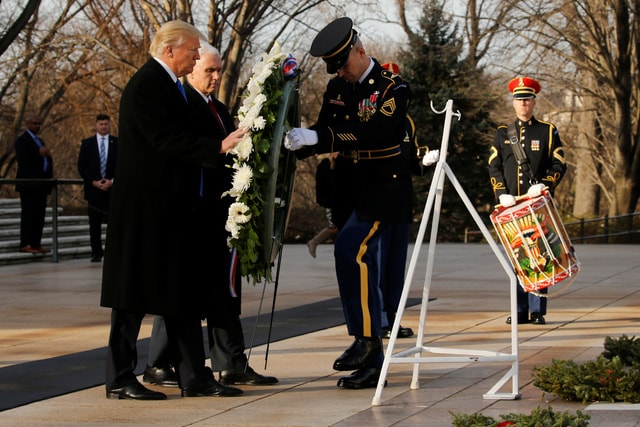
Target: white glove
298, 137
535, 190
507, 200
431, 157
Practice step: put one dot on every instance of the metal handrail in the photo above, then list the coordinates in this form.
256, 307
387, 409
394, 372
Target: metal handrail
54, 203
580, 237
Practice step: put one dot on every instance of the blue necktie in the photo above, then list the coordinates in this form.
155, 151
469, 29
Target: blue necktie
40, 144
103, 157
181, 89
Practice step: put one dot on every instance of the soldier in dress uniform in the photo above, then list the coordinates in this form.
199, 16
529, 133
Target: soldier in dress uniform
363, 118
541, 143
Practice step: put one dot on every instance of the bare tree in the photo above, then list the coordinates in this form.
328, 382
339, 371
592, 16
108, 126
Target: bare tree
73, 58
16, 27
589, 49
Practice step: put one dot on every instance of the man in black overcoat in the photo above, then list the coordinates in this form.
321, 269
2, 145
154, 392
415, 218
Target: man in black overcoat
149, 265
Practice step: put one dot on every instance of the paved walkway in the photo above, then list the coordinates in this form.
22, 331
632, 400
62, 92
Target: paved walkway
50, 311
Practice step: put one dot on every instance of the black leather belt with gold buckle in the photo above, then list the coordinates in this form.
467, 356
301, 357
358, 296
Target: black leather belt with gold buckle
384, 153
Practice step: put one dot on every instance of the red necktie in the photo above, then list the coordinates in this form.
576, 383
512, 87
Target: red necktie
215, 113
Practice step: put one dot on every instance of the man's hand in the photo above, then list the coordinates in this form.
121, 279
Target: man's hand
296, 138
507, 200
535, 190
431, 157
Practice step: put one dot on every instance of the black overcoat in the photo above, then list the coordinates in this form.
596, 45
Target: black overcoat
151, 236
31, 164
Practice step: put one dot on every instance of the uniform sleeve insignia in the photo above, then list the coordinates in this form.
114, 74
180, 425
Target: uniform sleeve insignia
346, 136
389, 107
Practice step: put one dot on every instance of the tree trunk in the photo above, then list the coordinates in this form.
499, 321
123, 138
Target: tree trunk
587, 191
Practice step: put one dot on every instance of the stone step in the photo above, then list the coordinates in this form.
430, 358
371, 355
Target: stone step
63, 253
65, 238
72, 242
8, 224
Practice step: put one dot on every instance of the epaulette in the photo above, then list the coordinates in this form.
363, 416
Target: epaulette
390, 75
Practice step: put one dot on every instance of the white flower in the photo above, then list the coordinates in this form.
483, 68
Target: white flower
254, 112
254, 88
244, 148
233, 228
258, 67
250, 116
245, 122
258, 123
258, 102
275, 51
241, 180
238, 213
264, 74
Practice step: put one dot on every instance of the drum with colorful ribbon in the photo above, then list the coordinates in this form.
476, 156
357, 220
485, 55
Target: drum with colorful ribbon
536, 242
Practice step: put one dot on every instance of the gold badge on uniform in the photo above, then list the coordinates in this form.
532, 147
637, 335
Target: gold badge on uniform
389, 107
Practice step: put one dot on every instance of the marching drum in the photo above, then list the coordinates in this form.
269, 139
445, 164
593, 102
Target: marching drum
536, 242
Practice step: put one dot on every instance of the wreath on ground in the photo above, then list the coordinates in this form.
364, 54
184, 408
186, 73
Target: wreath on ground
613, 377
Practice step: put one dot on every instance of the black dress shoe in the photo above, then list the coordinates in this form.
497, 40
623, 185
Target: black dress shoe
522, 318
164, 376
210, 388
357, 355
362, 378
96, 258
135, 391
537, 319
402, 332
247, 376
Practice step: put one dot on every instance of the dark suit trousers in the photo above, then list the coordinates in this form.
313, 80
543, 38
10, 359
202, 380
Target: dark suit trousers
226, 344
33, 206
184, 341
97, 212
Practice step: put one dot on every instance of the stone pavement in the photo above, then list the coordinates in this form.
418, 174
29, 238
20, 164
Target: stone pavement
49, 313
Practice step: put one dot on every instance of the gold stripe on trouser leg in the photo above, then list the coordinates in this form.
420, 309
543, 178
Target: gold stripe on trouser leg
364, 281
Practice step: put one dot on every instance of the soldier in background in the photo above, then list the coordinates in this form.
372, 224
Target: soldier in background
541, 143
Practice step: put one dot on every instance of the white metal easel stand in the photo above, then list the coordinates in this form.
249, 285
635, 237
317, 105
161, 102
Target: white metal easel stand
457, 355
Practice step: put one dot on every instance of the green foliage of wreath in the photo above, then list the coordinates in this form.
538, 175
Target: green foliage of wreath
259, 114
613, 377
249, 243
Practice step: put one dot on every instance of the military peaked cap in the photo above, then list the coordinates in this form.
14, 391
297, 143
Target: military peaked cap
334, 42
524, 87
